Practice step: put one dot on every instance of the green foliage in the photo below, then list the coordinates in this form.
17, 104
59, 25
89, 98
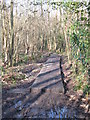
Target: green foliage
25, 59
2, 70
79, 42
86, 89
16, 77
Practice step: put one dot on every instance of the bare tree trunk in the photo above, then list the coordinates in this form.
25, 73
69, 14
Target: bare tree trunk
16, 55
5, 47
48, 39
2, 18
0, 60
1, 6
12, 36
67, 45
3, 44
55, 33
50, 42
41, 8
5, 36
43, 42
26, 44
88, 64
55, 45
34, 8
66, 37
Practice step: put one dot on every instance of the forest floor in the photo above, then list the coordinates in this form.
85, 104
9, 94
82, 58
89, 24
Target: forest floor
18, 102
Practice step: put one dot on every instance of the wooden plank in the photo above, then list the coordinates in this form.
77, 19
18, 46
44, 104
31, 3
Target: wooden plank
49, 77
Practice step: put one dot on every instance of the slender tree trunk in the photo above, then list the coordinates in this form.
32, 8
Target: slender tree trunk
67, 47
3, 42
55, 45
1, 6
26, 44
88, 64
66, 37
34, 8
5, 36
2, 18
16, 55
41, 8
12, 36
50, 42
43, 42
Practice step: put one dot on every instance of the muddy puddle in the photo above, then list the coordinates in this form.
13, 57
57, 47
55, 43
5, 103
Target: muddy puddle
61, 113
55, 112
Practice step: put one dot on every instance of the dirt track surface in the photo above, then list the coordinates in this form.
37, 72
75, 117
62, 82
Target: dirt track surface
18, 102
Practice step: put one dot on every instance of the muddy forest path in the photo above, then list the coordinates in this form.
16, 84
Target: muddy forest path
49, 78
43, 98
